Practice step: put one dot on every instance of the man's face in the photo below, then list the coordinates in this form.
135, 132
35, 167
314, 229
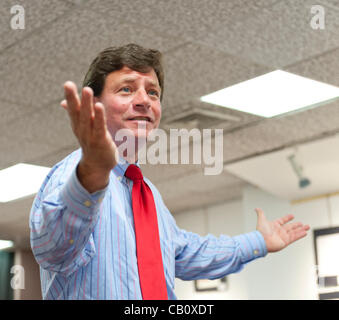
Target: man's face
131, 100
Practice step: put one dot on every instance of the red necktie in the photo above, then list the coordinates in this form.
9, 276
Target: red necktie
151, 270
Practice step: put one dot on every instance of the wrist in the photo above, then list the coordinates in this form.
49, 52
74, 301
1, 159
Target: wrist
92, 178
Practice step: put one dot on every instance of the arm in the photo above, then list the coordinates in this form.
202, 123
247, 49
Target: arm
213, 257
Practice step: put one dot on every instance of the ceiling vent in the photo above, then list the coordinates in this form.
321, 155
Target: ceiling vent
201, 119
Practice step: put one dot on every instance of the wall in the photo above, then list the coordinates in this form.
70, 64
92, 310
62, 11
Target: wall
288, 274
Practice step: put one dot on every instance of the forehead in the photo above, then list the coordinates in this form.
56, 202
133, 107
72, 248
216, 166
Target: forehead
127, 74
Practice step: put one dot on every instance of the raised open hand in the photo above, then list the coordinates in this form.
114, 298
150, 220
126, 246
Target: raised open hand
278, 234
88, 120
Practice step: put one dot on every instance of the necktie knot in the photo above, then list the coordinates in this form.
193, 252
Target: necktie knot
133, 172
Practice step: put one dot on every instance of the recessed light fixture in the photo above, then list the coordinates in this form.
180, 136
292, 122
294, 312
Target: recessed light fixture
5, 244
21, 180
273, 93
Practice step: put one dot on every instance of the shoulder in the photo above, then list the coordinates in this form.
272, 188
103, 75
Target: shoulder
159, 200
156, 194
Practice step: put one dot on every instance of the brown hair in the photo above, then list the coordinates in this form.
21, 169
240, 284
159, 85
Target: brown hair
112, 59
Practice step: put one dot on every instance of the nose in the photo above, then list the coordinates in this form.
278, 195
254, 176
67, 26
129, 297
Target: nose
141, 99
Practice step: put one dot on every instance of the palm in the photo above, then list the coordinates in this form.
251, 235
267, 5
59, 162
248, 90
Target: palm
278, 234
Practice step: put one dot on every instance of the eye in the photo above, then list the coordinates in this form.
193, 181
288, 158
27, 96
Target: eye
154, 92
125, 89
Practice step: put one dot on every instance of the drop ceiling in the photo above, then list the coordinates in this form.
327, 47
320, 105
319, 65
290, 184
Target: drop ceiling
207, 45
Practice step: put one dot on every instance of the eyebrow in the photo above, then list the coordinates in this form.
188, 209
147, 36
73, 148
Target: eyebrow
132, 79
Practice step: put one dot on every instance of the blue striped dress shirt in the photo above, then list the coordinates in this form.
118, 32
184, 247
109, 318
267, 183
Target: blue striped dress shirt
85, 243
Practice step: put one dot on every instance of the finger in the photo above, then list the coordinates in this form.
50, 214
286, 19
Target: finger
86, 111
296, 235
71, 95
99, 123
285, 219
259, 212
292, 226
301, 228
307, 227
73, 103
63, 103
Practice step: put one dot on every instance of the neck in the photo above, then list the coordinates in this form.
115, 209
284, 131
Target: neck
131, 159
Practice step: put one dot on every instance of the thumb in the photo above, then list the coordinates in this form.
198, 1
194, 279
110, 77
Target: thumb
259, 212
261, 219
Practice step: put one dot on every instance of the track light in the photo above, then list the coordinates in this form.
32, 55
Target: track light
303, 181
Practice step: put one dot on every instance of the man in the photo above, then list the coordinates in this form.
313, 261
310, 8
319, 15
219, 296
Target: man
87, 229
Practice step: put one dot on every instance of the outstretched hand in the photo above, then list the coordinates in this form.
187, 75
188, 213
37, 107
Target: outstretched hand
278, 234
88, 120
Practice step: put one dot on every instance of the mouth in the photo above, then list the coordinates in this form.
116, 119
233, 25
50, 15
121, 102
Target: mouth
141, 118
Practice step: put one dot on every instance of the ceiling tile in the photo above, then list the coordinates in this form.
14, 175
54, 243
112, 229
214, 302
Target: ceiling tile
38, 14
194, 70
11, 111
63, 52
77, 2
277, 36
188, 19
322, 68
35, 134
277, 133
183, 202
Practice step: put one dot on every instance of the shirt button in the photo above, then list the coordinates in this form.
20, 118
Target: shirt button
119, 178
256, 252
71, 241
87, 203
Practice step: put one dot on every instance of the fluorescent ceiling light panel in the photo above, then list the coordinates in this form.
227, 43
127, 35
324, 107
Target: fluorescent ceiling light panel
4, 244
21, 180
273, 94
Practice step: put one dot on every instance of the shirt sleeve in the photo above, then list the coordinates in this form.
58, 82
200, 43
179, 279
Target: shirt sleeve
211, 257
62, 219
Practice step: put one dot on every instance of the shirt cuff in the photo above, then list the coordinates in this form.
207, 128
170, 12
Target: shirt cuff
76, 197
252, 246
